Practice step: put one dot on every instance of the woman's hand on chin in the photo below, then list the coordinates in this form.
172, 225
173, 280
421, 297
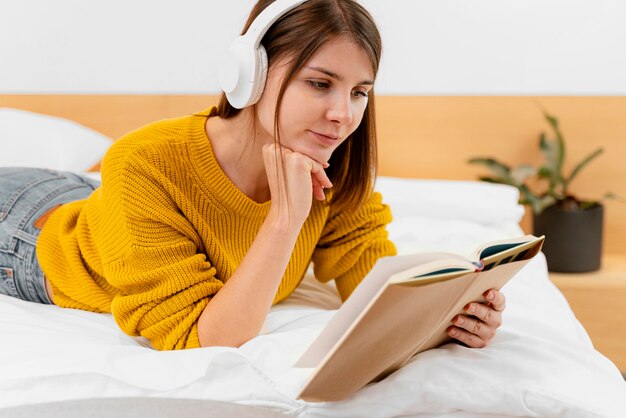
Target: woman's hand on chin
306, 178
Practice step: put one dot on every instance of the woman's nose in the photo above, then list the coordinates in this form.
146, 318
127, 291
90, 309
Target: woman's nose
340, 110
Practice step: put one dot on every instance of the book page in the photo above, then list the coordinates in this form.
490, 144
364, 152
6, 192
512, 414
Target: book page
505, 252
434, 271
496, 246
358, 301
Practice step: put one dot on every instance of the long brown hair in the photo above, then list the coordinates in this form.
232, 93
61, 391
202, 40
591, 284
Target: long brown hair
299, 34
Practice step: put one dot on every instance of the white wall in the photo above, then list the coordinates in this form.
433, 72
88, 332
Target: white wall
432, 47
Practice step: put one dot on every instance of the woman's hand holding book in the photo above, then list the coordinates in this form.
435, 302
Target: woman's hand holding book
479, 327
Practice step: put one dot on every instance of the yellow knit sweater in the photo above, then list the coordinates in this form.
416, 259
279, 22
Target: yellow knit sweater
167, 229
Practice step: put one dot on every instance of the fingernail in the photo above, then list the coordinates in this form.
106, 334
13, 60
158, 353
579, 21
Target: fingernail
452, 332
490, 296
459, 320
326, 165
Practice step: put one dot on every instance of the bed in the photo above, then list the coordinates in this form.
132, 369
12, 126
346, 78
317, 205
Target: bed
62, 362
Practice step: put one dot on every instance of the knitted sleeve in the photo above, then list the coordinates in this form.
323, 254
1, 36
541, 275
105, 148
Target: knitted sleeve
153, 255
351, 243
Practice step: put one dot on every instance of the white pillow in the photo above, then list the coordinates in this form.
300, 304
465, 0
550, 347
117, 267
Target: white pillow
34, 140
474, 201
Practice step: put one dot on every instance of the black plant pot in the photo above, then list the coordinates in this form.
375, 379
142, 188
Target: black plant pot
573, 238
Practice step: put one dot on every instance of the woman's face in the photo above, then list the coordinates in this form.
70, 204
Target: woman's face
323, 104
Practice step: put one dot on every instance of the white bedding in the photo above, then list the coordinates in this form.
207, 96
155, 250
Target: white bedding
541, 363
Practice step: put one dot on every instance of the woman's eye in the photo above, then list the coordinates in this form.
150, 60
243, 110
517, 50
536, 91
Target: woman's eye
360, 93
318, 84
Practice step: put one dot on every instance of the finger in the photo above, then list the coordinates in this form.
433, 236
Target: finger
496, 299
318, 171
475, 326
485, 313
318, 190
319, 179
479, 310
467, 338
324, 164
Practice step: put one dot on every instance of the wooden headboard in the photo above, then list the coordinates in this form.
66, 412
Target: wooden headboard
422, 137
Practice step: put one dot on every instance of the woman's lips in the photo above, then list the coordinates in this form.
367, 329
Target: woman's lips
325, 139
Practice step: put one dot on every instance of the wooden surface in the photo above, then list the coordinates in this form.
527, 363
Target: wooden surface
423, 137
599, 300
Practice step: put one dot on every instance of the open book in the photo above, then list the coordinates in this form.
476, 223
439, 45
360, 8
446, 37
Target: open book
401, 308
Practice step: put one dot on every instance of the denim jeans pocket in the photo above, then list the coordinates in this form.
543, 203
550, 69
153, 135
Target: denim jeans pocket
7, 282
17, 182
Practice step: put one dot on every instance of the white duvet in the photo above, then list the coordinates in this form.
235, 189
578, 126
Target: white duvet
541, 363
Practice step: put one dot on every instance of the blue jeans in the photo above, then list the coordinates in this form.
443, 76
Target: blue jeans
26, 196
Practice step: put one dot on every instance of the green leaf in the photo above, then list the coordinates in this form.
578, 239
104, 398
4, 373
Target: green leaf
497, 180
554, 122
613, 196
526, 196
521, 173
550, 152
582, 164
586, 204
499, 169
554, 151
545, 172
550, 171
539, 204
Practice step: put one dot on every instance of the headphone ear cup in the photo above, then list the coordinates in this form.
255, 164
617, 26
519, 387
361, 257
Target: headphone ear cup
244, 73
237, 73
260, 75
230, 75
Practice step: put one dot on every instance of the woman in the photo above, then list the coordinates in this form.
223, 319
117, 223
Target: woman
202, 223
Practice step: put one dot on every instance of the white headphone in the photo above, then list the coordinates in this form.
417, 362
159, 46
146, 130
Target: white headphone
244, 69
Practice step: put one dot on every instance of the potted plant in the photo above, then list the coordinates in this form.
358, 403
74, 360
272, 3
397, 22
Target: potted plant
572, 226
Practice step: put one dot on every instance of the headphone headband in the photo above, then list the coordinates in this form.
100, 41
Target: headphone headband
267, 17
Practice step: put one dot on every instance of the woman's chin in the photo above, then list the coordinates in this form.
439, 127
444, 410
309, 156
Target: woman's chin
320, 155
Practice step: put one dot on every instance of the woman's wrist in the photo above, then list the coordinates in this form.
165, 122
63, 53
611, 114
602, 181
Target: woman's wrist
280, 220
